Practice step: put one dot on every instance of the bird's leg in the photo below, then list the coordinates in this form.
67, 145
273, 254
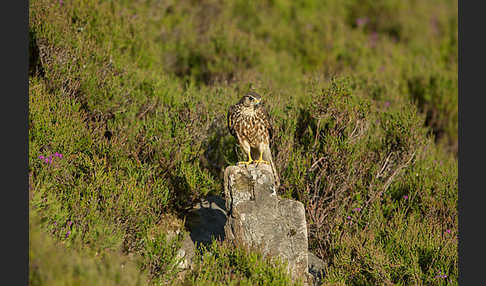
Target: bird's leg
260, 160
250, 160
247, 149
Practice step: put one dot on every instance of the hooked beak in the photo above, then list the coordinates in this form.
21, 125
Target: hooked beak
257, 102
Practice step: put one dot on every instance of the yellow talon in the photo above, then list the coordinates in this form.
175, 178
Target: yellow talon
250, 160
260, 160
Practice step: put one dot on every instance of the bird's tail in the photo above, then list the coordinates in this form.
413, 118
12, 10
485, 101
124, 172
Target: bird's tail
267, 156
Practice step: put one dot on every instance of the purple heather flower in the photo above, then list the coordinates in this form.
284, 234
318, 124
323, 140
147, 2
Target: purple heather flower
348, 217
58, 155
69, 223
357, 209
405, 197
47, 160
448, 231
41, 157
68, 233
387, 103
361, 21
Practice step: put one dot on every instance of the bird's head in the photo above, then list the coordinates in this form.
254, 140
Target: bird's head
251, 99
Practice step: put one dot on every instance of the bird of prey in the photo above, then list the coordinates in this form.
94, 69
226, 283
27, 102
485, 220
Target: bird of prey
249, 123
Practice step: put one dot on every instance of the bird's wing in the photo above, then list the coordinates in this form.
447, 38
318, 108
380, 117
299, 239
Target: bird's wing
229, 121
267, 121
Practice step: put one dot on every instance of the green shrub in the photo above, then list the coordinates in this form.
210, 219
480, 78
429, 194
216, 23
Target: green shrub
223, 264
134, 94
51, 263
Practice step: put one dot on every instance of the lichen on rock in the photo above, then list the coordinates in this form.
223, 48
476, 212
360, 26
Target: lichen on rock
258, 218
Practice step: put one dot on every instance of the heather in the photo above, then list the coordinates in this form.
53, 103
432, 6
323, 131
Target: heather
127, 110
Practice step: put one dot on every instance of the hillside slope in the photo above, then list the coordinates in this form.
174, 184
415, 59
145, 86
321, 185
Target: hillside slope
127, 108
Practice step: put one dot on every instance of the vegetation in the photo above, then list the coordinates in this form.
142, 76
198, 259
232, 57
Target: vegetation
127, 109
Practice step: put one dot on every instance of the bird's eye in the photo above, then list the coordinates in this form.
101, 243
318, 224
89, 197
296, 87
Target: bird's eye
251, 98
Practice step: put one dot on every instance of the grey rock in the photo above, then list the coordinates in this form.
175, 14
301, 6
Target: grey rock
258, 218
316, 268
206, 220
186, 253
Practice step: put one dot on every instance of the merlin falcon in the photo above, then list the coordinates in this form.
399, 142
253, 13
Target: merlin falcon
249, 123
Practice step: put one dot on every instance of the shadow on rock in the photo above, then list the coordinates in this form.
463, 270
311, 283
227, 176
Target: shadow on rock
206, 220
316, 268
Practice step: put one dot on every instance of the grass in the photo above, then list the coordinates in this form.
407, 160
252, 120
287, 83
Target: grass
134, 94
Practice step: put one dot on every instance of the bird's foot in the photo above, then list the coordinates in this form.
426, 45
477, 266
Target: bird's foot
245, 162
261, 161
